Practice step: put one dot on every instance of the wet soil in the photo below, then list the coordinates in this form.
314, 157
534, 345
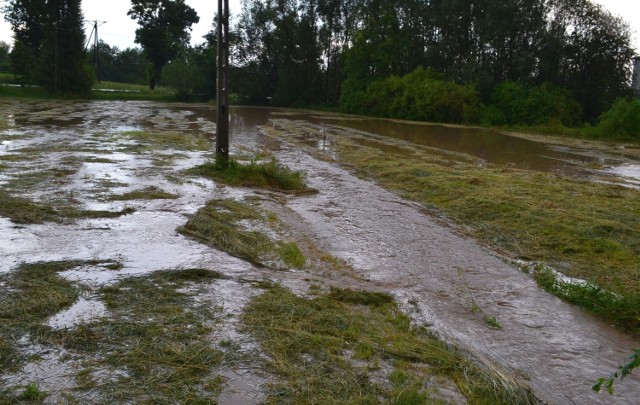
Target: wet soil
392, 245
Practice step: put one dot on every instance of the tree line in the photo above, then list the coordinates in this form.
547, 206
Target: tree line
519, 62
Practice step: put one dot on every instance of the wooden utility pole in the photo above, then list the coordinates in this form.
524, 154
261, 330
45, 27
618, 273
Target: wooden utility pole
96, 52
222, 115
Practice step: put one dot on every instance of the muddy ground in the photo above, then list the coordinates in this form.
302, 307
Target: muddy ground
79, 161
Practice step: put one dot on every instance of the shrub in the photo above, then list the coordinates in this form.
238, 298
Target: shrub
515, 103
622, 121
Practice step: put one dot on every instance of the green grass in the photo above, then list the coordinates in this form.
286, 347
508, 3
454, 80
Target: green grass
218, 225
148, 193
324, 349
270, 175
127, 91
582, 228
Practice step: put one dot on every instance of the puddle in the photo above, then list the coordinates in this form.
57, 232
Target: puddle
83, 311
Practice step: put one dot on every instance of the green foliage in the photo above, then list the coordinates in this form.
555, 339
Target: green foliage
420, 95
623, 371
622, 121
163, 31
193, 76
49, 45
519, 104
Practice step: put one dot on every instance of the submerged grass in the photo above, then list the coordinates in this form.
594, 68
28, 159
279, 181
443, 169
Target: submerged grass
585, 229
28, 296
153, 140
326, 349
154, 347
270, 175
24, 211
148, 193
218, 224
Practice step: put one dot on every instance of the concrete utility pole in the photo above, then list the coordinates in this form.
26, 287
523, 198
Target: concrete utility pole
222, 121
636, 77
96, 53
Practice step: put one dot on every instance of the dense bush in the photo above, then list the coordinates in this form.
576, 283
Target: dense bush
519, 104
622, 121
421, 95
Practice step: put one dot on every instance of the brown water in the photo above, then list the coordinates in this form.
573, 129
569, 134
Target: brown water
435, 273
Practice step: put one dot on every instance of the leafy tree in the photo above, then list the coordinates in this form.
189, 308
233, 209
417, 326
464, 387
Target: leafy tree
4, 56
164, 31
49, 44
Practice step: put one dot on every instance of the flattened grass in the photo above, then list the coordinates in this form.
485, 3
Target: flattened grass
148, 193
154, 347
325, 349
270, 175
28, 296
154, 140
24, 211
582, 228
218, 224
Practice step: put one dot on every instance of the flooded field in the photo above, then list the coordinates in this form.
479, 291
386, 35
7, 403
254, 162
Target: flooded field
107, 192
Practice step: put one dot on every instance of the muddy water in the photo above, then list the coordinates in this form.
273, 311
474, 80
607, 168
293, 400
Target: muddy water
436, 274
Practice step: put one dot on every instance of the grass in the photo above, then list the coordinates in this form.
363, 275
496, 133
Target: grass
155, 346
585, 229
24, 211
125, 91
148, 193
270, 175
154, 140
218, 224
327, 348
31, 294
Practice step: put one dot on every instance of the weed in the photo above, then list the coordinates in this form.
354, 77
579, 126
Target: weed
32, 393
271, 175
291, 255
622, 371
306, 340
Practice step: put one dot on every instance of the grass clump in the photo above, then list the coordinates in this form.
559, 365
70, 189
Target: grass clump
310, 341
148, 193
270, 175
621, 309
219, 224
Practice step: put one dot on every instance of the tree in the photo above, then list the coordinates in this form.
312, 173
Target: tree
164, 31
49, 44
4, 56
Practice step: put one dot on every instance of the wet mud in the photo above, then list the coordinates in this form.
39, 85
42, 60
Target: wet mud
392, 245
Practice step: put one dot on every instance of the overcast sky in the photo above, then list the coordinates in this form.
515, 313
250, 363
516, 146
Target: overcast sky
119, 29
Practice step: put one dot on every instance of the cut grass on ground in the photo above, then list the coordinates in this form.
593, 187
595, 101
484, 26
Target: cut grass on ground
154, 347
218, 224
330, 349
582, 228
23, 211
270, 175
